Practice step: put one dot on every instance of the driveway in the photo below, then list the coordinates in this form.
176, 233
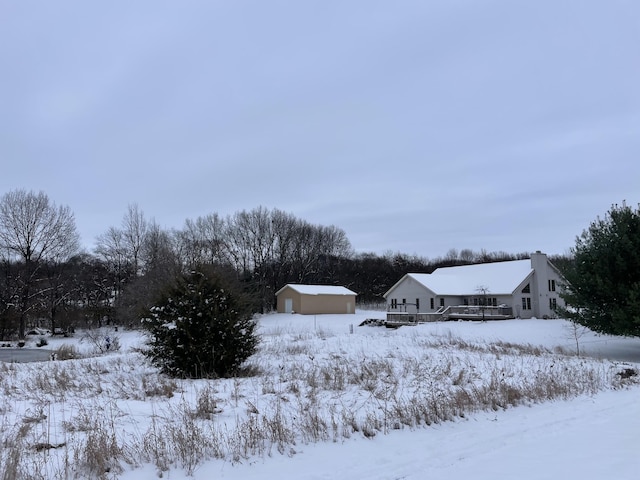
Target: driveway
23, 355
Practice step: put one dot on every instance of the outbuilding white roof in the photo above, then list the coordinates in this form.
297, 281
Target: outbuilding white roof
317, 289
498, 278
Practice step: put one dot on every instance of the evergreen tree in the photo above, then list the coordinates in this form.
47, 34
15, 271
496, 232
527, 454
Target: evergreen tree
201, 328
603, 291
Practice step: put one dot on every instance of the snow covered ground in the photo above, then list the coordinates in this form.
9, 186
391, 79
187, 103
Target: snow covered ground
589, 438
312, 365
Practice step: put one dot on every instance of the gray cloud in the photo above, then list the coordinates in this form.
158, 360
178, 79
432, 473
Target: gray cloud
415, 126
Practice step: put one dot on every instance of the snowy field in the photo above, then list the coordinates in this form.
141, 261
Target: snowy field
325, 398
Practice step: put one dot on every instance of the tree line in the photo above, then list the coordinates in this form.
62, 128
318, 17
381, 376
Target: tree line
48, 279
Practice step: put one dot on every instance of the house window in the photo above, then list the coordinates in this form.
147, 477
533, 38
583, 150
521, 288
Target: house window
394, 303
442, 302
553, 303
486, 301
527, 289
552, 285
417, 304
526, 303
466, 301
431, 303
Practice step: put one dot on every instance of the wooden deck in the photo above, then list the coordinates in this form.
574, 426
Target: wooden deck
460, 312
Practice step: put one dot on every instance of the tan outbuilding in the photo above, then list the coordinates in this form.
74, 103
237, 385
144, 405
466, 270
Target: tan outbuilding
315, 299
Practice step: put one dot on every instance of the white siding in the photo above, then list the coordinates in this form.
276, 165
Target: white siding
410, 290
543, 291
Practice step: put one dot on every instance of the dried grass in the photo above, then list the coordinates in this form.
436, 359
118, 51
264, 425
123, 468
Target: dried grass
319, 393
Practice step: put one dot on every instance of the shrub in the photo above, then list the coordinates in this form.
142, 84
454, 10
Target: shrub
101, 340
66, 352
202, 327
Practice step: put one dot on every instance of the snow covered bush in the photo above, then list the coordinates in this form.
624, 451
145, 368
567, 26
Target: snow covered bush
201, 328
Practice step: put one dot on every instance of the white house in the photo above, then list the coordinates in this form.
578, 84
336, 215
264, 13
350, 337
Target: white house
518, 288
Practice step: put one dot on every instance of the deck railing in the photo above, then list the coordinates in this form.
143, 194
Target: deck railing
471, 312
403, 317
479, 311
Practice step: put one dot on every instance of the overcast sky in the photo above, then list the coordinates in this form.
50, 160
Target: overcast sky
415, 126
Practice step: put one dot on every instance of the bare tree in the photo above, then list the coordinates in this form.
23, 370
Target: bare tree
134, 231
162, 267
467, 255
576, 332
93, 288
34, 230
159, 252
483, 292
285, 227
313, 242
250, 240
123, 249
452, 256
9, 293
111, 248
203, 241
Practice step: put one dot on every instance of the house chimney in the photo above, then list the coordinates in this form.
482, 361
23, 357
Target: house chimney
538, 259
